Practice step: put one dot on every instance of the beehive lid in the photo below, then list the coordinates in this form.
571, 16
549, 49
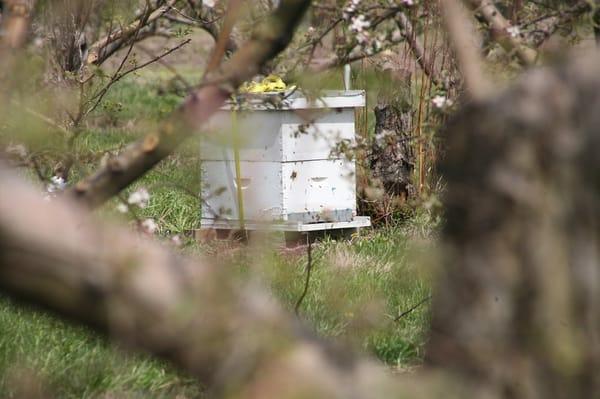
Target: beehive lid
298, 100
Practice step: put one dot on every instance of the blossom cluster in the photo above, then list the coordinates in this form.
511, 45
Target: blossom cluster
513, 31
56, 185
149, 226
359, 24
139, 198
442, 102
350, 9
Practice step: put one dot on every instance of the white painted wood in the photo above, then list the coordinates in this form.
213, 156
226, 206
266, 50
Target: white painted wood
357, 222
320, 189
279, 136
261, 190
317, 140
291, 173
297, 100
314, 191
259, 137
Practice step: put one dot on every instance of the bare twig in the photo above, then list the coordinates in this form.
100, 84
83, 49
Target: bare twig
168, 66
223, 39
96, 51
412, 308
407, 31
38, 115
100, 95
309, 266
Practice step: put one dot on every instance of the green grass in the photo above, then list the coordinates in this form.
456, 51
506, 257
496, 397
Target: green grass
356, 290
69, 361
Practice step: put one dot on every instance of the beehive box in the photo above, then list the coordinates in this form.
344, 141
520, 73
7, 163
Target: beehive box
291, 171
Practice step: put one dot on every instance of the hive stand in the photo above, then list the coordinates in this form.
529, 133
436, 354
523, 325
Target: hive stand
295, 234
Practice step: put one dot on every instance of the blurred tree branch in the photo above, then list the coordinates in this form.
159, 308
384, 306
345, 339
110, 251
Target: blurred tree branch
15, 23
463, 38
504, 33
269, 38
230, 336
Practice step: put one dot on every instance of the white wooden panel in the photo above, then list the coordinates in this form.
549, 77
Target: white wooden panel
259, 136
315, 139
328, 99
261, 189
356, 222
289, 173
280, 136
319, 188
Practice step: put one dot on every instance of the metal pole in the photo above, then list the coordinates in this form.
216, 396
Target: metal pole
347, 71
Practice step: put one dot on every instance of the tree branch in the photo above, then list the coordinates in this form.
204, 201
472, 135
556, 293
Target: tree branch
407, 31
269, 39
462, 38
15, 24
232, 337
102, 49
500, 27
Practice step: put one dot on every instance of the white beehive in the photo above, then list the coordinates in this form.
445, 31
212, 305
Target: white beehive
291, 173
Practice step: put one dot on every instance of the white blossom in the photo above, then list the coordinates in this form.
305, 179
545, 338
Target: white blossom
149, 226
513, 31
359, 23
441, 102
123, 208
209, 3
57, 183
140, 197
176, 240
407, 3
350, 9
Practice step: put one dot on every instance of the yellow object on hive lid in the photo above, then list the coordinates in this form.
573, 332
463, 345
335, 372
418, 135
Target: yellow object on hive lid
271, 83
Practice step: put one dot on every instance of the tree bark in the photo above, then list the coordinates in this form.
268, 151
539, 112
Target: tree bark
392, 157
100, 50
517, 310
15, 23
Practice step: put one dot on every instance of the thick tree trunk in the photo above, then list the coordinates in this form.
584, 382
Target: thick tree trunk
392, 157
517, 310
